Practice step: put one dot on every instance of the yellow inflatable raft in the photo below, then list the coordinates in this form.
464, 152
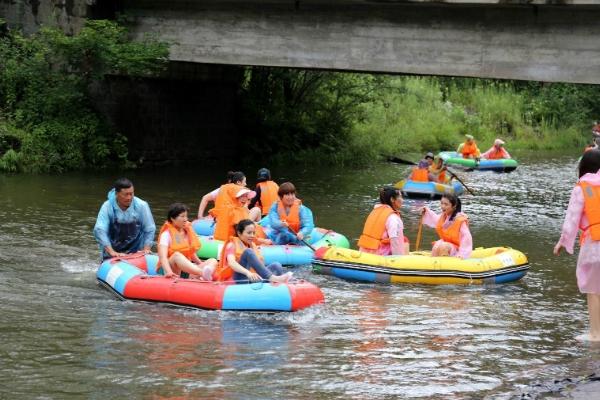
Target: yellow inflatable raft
486, 265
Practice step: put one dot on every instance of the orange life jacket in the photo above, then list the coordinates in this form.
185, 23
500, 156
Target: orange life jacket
419, 175
268, 195
179, 243
225, 211
225, 198
229, 217
224, 272
469, 149
441, 178
452, 233
591, 208
496, 153
293, 218
372, 235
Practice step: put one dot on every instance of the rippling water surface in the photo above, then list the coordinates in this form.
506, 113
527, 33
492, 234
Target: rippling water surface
62, 336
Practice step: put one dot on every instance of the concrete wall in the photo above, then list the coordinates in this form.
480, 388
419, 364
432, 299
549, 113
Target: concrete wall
550, 41
187, 116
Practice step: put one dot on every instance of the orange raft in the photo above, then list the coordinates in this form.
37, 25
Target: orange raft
136, 278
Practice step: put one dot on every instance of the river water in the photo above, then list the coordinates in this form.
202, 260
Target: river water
64, 337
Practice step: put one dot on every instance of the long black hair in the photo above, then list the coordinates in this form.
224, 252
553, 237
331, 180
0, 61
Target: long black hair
456, 203
590, 162
387, 194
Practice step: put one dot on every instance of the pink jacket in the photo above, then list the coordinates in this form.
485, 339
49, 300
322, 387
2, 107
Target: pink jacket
575, 217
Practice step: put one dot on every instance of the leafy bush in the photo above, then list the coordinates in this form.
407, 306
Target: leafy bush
44, 93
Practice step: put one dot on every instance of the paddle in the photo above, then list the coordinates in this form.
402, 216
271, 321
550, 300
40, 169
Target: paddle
419, 233
460, 180
302, 240
397, 160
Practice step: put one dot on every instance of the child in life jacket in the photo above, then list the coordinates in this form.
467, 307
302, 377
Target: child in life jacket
452, 227
383, 233
583, 214
177, 246
266, 192
497, 151
242, 261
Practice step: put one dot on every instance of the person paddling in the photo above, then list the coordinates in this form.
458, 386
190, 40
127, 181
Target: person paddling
383, 232
583, 214
242, 261
452, 226
178, 244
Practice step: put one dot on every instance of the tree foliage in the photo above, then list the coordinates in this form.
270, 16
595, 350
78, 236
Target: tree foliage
47, 119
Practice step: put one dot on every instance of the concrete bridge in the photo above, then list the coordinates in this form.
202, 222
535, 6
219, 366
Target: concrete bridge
544, 40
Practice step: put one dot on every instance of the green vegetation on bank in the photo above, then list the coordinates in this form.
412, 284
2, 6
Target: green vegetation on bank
47, 118
355, 118
48, 121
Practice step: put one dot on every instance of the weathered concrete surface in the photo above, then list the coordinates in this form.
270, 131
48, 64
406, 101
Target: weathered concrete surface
498, 39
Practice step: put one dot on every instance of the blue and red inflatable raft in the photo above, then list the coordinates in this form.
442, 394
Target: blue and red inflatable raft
136, 278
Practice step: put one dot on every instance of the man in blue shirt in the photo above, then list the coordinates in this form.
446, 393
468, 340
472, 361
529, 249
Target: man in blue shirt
124, 224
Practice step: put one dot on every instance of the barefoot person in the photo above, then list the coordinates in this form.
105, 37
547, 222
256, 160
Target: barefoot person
177, 246
583, 213
242, 262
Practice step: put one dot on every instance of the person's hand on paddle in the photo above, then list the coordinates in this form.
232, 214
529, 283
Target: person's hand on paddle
253, 276
557, 248
422, 210
300, 236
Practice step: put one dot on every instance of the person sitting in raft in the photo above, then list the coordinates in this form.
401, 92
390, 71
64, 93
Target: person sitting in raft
178, 244
266, 192
595, 139
469, 148
233, 178
497, 151
383, 233
124, 224
452, 226
242, 261
289, 220
437, 170
211, 197
234, 212
420, 173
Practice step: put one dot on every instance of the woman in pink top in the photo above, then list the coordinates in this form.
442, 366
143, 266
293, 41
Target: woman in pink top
582, 208
459, 244
381, 236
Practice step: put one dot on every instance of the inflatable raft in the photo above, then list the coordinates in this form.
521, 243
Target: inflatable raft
428, 190
486, 265
137, 279
285, 254
453, 159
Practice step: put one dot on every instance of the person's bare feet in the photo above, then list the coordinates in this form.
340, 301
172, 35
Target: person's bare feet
282, 278
207, 273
